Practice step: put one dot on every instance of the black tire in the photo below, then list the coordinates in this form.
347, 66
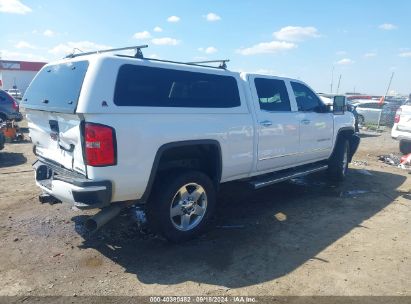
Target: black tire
338, 162
361, 120
405, 147
165, 195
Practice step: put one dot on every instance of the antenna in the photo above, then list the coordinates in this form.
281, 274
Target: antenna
339, 81
222, 62
139, 53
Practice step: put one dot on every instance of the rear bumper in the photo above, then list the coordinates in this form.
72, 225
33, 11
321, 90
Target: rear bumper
71, 187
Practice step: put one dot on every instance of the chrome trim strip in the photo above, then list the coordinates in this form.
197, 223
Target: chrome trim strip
283, 155
292, 154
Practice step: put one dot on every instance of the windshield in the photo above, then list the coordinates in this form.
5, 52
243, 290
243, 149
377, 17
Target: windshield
56, 87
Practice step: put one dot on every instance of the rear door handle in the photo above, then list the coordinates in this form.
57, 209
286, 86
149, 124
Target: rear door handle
266, 123
305, 121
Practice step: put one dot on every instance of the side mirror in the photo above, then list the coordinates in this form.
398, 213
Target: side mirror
339, 105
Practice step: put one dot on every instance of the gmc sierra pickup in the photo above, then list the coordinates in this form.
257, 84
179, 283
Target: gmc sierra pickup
115, 130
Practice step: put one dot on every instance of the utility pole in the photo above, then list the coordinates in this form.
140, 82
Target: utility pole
389, 85
339, 81
383, 98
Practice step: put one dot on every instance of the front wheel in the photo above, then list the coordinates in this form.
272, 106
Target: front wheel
338, 162
181, 205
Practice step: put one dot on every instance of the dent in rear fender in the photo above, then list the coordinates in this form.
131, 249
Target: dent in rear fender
185, 143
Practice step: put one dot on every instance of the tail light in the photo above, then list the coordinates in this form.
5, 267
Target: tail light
397, 116
15, 105
100, 145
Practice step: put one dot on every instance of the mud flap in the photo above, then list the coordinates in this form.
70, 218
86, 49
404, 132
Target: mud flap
354, 143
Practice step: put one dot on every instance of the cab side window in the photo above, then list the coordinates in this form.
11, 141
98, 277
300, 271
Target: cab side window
272, 95
307, 100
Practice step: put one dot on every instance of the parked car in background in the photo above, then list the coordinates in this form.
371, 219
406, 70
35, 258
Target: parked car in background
9, 108
401, 129
15, 93
368, 112
388, 113
374, 112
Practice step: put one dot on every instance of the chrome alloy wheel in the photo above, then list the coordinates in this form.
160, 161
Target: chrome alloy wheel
188, 207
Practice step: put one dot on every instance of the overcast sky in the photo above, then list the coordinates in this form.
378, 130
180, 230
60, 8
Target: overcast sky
365, 41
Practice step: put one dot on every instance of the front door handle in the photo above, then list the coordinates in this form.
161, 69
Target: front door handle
266, 123
305, 121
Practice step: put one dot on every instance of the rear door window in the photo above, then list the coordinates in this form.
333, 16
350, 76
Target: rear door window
272, 95
56, 87
158, 87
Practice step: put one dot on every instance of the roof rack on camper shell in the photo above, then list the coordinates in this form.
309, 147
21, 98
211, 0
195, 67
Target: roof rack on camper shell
139, 54
222, 62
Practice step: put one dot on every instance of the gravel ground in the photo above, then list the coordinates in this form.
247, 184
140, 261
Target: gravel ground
304, 237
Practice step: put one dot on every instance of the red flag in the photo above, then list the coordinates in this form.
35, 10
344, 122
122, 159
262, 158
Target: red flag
381, 100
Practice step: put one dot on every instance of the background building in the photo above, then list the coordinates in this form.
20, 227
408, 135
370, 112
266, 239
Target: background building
18, 74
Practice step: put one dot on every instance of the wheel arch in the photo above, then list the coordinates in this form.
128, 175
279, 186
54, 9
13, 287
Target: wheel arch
181, 146
348, 134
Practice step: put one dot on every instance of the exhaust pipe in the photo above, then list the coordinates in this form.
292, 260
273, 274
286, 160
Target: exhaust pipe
95, 222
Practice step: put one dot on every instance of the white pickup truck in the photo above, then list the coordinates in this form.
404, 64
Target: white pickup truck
112, 130
401, 130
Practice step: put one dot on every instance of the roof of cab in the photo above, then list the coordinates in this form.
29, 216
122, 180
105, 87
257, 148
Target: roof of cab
244, 75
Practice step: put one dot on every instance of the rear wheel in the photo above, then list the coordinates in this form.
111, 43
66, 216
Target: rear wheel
338, 163
181, 205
